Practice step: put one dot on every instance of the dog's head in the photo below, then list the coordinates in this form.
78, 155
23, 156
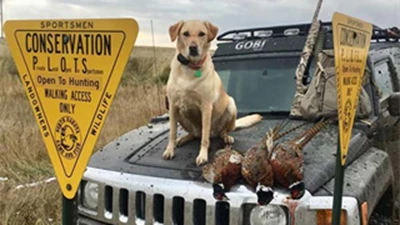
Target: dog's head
193, 37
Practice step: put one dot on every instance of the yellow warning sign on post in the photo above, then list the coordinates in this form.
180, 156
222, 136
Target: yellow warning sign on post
351, 45
70, 70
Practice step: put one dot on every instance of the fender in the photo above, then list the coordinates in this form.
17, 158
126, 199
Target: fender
366, 179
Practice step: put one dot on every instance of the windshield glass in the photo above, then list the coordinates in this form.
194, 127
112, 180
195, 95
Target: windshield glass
260, 85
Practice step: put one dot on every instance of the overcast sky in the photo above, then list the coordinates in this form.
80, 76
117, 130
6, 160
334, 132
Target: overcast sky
226, 14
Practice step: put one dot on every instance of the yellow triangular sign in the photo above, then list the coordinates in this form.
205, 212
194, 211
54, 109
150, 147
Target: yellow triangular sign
70, 70
352, 39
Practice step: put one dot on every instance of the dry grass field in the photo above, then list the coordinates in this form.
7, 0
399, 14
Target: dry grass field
23, 157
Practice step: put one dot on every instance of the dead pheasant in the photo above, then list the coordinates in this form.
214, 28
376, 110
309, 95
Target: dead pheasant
224, 171
287, 160
256, 168
257, 171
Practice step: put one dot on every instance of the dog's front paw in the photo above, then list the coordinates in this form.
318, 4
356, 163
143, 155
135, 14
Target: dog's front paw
169, 153
202, 158
229, 140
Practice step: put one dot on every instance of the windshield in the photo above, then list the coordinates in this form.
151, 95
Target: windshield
260, 85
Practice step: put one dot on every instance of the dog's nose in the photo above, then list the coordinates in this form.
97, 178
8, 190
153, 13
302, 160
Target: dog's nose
193, 51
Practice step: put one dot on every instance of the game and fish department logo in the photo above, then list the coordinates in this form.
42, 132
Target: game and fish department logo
68, 138
347, 116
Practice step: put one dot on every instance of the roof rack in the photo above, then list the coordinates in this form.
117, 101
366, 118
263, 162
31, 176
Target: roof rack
391, 34
379, 34
274, 31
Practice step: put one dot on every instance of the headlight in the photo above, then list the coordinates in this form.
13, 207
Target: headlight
90, 195
269, 214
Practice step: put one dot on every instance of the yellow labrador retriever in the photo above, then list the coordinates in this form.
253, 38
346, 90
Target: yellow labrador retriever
196, 96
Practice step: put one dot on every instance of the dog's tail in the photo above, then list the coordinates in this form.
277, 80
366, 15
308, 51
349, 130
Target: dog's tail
247, 121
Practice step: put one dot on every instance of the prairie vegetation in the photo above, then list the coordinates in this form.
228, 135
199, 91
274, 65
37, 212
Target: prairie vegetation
23, 156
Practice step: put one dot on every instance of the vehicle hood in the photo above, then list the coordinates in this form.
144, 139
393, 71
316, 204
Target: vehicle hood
140, 151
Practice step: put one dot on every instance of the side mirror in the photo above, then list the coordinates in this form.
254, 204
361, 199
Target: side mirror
394, 104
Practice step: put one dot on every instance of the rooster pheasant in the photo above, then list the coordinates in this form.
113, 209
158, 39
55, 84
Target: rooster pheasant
256, 168
287, 160
224, 171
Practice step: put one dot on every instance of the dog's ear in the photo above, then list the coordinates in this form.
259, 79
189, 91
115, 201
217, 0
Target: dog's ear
212, 30
174, 30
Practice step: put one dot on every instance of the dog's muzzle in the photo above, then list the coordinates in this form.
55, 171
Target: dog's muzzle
193, 51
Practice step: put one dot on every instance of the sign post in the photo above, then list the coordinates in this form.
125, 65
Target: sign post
70, 70
351, 45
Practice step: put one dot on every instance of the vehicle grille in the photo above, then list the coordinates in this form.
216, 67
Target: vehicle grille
120, 206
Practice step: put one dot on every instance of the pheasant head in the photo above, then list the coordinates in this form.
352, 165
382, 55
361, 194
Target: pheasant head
219, 192
264, 194
297, 190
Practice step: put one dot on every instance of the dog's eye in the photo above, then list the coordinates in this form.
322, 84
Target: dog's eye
201, 34
186, 34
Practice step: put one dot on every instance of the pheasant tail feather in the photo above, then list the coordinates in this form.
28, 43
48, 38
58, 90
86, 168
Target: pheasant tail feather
306, 137
288, 131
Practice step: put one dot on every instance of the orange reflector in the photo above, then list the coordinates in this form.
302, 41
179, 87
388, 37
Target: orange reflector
324, 217
364, 213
